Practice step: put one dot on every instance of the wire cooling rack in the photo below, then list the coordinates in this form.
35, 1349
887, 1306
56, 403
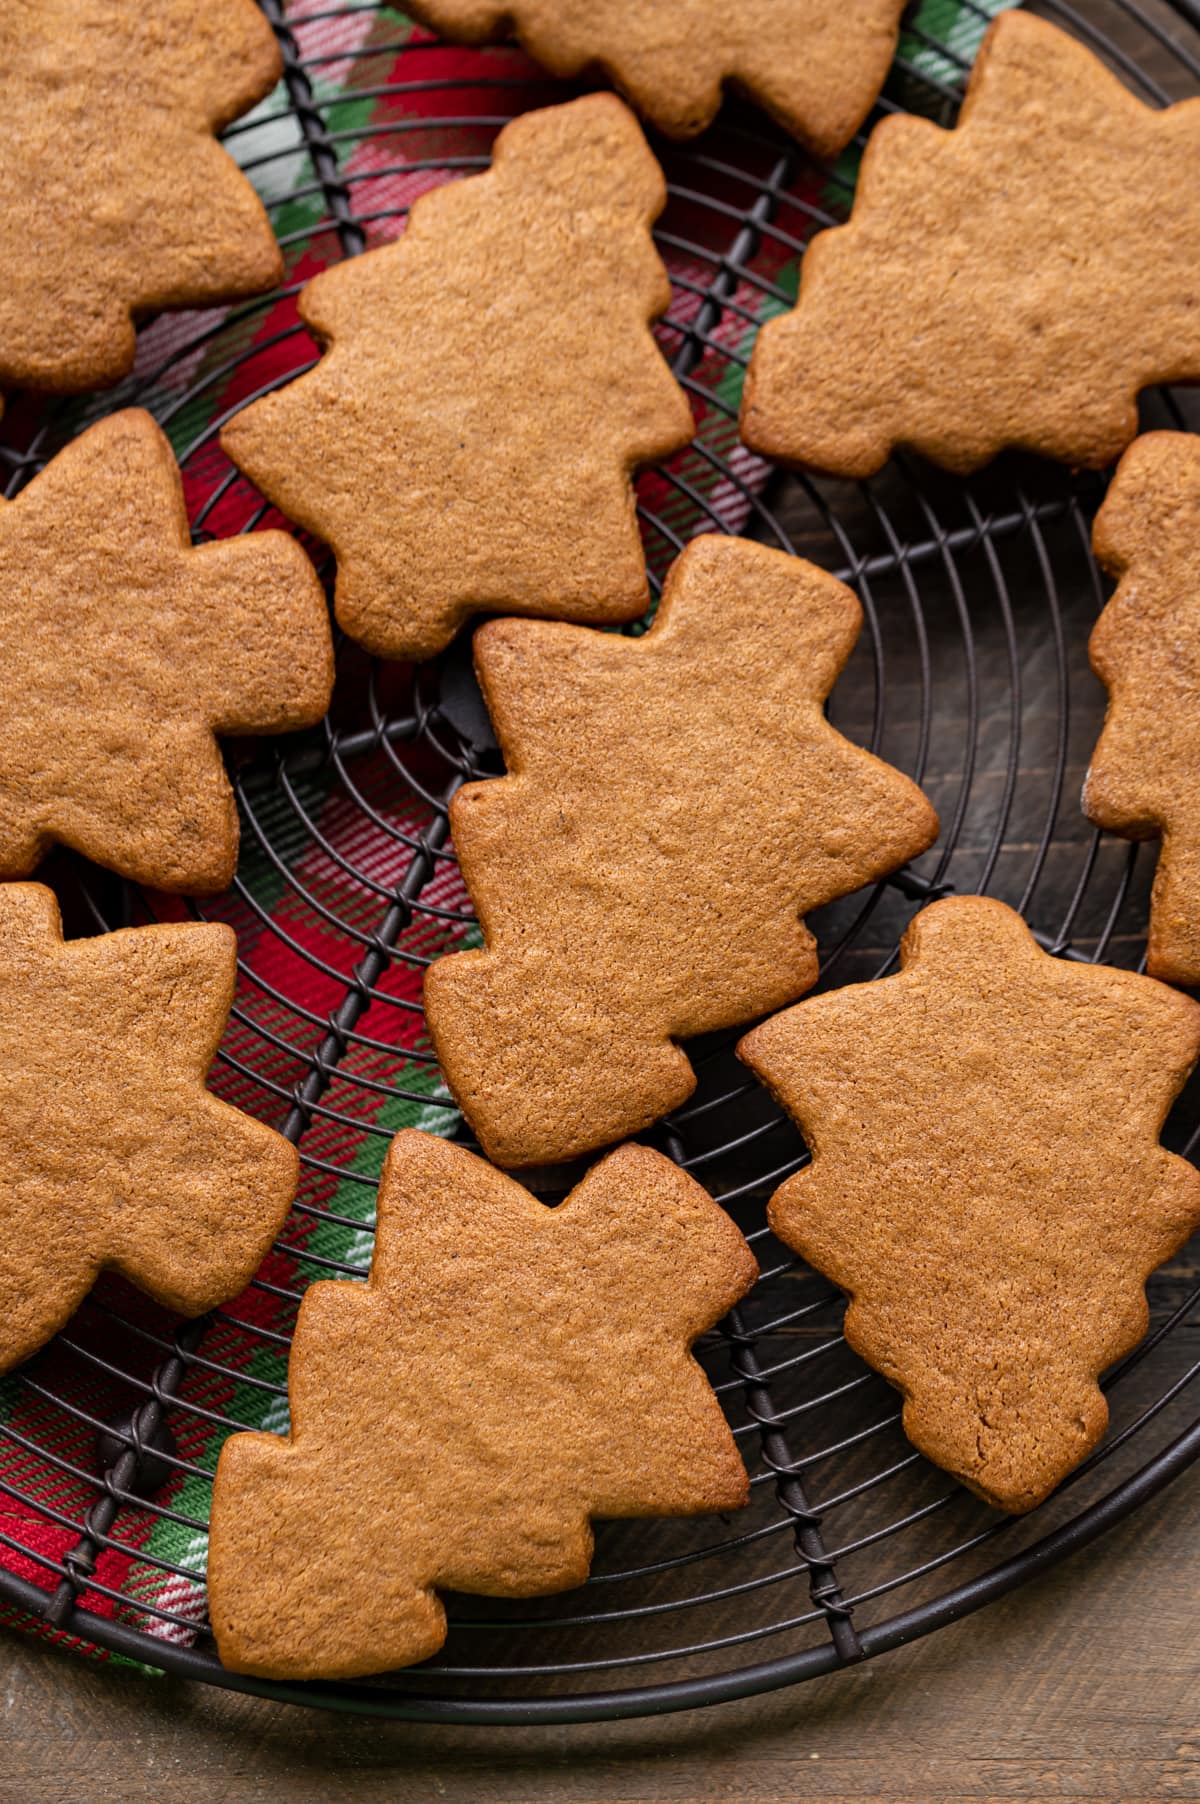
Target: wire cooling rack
971, 675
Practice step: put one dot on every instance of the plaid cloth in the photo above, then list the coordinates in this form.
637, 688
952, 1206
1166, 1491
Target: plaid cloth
297, 936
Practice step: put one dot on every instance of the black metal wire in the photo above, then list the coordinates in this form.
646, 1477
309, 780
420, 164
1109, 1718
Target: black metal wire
976, 602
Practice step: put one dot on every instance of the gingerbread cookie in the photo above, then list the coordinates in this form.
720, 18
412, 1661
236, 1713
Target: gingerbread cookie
987, 1182
816, 65
117, 198
1015, 282
675, 803
492, 382
122, 651
514, 1371
1144, 779
112, 1153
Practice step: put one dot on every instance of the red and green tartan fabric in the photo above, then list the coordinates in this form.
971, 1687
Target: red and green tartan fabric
322, 856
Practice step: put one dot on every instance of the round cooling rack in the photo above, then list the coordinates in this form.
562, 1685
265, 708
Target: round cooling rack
971, 674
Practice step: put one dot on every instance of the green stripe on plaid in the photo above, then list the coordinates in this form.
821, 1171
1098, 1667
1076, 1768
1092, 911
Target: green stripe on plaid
957, 26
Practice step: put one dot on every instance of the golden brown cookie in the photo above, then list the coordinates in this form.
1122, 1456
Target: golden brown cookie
675, 803
112, 1153
987, 1182
490, 385
1144, 779
117, 198
508, 1372
1015, 282
816, 65
122, 651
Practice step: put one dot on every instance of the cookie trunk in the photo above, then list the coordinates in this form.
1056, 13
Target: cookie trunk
295, 1588
539, 1088
1012, 1457
1173, 953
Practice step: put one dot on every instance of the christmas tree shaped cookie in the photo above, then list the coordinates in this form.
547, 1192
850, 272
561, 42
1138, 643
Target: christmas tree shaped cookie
1144, 779
816, 65
674, 804
491, 382
117, 198
1014, 282
112, 1153
508, 1372
987, 1182
122, 651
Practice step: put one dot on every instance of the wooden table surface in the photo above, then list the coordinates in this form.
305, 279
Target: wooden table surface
1085, 1685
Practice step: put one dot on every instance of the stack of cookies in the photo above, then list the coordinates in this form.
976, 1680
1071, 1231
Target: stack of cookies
987, 1182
